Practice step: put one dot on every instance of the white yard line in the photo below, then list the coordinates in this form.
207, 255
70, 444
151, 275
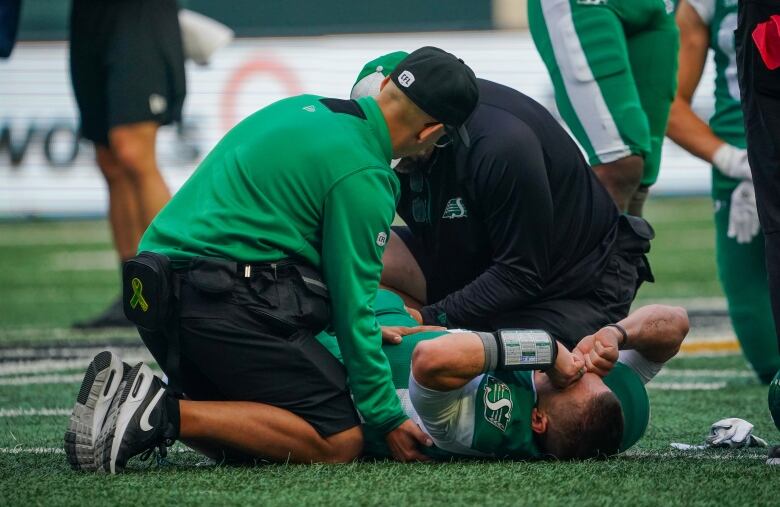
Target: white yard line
66, 352
41, 379
686, 386
34, 333
52, 365
59, 450
32, 450
758, 453
24, 412
728, 374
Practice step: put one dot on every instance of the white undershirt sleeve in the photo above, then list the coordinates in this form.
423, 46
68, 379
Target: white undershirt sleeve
642, 366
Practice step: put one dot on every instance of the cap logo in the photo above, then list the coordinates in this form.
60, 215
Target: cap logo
406, 79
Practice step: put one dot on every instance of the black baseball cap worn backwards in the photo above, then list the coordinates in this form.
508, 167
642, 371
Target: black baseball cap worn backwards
441, 85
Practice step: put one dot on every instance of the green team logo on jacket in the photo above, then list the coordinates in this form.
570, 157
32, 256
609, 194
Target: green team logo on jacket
498, 403
455, 209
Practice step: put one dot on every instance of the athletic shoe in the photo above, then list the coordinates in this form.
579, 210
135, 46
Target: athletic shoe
113, 316
101, 382
774, 456
137, 422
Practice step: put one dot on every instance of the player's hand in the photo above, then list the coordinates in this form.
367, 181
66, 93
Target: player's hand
600, 350
404, 442
416, 315
393, 334
569, 368
743, 215
732, 162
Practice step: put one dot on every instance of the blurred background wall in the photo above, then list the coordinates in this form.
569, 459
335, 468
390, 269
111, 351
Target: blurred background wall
282, 48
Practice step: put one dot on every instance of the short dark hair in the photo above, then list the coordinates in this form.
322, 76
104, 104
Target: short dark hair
595, 432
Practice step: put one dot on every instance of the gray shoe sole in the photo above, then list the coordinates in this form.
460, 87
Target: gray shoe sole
100, 384
130, 396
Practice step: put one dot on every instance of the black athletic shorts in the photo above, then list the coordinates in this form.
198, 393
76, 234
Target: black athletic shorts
126, 63
568, 319
233, 349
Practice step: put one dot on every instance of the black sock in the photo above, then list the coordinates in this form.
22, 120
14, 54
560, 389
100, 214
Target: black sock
173, 415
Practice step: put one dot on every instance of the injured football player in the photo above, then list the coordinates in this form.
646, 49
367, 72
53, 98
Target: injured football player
519, 394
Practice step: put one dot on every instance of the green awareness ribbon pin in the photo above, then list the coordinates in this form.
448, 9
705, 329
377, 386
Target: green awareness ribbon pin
138, 297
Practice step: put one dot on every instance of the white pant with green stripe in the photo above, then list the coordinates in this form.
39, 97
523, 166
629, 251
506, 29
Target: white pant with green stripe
613, 64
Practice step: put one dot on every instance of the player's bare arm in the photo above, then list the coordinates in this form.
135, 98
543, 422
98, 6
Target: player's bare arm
685, 127
452, 360
655, 331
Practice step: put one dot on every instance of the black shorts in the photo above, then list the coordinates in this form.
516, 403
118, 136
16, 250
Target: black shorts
232, 351
568, 318
126, 63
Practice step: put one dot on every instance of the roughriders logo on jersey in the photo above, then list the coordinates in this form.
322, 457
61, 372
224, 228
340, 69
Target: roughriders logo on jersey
455, 209
498, 403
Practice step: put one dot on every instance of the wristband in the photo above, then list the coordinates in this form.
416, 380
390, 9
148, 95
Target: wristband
525, 349
621, 345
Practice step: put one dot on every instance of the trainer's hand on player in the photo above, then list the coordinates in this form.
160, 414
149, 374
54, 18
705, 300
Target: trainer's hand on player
393, 334
600, 350
569, 368
404, 441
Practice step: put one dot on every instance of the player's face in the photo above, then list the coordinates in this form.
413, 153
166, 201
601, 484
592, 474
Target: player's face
560, 401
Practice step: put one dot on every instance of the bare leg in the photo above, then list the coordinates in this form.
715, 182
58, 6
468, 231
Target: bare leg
263, 431
123, 210
400, 270
637, 204
621, 178
134, 147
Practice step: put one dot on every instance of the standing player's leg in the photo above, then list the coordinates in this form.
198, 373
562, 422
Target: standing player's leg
123, 212
584, 49
653, 56
742, 272
133, 146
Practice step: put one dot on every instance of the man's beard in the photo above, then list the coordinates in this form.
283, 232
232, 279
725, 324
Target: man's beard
414, 163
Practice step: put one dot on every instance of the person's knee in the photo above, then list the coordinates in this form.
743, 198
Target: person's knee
621, 178
625, 172
133, 149
112, 170
344, 447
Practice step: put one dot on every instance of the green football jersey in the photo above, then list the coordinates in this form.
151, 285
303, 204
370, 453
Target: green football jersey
726, 122
298, 179
500, 403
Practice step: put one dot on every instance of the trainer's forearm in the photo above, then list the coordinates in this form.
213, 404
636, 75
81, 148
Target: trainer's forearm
449, 361
656, 331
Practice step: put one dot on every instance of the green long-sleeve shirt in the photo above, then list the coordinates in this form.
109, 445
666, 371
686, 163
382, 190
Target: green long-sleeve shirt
305, 177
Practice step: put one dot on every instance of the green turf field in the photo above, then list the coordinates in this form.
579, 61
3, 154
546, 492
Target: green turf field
56, 272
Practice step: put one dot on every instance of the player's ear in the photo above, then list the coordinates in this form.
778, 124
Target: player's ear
430, 132
384, 83
539, 421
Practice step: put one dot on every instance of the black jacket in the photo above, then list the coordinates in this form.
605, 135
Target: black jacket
516, 218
